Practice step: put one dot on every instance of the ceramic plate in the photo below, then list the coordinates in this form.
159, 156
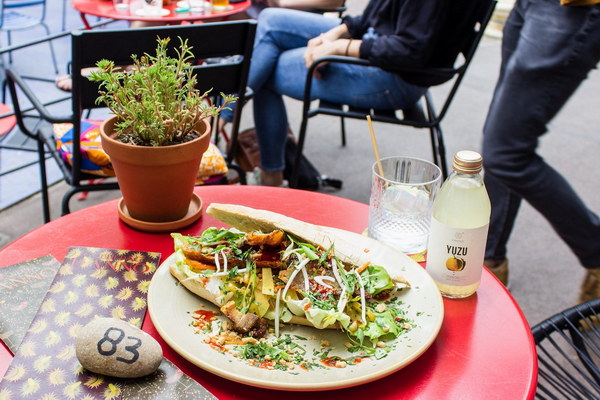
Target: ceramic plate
170, 306
142, 12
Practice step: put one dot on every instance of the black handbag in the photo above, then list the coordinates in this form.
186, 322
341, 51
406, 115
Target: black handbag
309, 178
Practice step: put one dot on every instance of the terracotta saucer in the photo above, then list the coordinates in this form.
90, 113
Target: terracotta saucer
193, 214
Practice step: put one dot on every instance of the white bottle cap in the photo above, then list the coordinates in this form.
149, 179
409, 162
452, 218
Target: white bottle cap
467, 162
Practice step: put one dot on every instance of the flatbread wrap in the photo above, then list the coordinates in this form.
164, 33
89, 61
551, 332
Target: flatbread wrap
270, 269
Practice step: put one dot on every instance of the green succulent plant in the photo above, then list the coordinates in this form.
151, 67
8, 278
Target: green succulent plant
155, 99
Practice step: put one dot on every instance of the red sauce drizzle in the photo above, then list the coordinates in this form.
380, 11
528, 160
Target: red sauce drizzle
206, 315
330, 361
263, 364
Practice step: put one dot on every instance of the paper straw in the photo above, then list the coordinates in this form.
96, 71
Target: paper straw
375, 148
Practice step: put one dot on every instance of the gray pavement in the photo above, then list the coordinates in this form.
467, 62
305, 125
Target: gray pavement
545, 276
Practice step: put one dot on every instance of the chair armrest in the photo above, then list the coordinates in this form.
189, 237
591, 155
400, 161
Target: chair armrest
13, 80
338, 10
367, 63
443, 73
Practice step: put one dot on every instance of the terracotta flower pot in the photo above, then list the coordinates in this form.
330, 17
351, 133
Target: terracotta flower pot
157, 183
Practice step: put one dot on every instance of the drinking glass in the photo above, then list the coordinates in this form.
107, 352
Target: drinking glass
122, 6
401, 200
220, 5
153, 7
196, 6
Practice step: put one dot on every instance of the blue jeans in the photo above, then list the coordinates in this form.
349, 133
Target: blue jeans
278, 69
547, 51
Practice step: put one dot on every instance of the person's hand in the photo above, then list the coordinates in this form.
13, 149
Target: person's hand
319, 47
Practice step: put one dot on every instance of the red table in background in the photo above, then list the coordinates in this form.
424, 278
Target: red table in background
484, 350
105, 9
6, 123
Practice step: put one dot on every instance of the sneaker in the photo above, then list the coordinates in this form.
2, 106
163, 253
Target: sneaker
501, 272
590, 289
254, 178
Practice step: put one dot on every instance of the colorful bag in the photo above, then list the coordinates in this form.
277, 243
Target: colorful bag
96, 162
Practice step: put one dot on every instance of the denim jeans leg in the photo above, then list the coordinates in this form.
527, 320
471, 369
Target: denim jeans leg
279, 31
271, 123
548, 51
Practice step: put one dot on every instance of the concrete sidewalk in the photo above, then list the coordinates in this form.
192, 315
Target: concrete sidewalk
545, 276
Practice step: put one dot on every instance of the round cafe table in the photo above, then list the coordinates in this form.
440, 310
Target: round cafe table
105, 9
484, 349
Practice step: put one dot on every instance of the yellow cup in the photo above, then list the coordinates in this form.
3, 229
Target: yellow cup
220, 5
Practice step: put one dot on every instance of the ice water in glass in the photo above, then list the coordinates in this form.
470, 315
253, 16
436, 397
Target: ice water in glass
401, 200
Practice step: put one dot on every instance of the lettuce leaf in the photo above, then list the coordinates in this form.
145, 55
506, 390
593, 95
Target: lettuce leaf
320, 318
383, 325
376, 279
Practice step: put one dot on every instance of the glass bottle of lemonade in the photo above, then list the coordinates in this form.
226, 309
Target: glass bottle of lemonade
459, 227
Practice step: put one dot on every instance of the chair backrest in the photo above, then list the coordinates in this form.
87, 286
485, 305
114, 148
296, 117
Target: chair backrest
568, 349
22, 3
474, 28
12, 4
459, 52
210, 40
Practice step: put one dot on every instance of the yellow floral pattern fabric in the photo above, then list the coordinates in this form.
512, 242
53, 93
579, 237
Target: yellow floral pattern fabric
90, 283
96, 162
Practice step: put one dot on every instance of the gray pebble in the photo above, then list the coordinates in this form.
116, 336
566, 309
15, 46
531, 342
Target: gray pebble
116, 348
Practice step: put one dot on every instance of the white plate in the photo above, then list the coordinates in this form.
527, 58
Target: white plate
170, 306
142, 12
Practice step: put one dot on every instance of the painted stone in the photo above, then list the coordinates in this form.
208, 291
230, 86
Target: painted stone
116, 348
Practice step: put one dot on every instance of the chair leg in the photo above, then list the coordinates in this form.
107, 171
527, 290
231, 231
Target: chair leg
4, 88
343, 130
52, 53
240, 171
441, 151
9, 41
64, 15
65, 209
43, 181
301, 136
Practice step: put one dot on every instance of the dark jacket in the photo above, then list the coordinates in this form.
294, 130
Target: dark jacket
415, 34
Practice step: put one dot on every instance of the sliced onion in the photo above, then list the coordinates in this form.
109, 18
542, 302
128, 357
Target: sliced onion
297, 269
306, 283
277, 301
343, 301
217, 262
336, 273
224, 261
363, 301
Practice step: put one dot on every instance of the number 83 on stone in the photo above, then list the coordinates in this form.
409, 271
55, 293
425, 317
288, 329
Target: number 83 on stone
116, 348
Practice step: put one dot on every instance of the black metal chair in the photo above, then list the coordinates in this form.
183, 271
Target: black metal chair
13, 20
209, 41
337, 10
418, 116
568, 347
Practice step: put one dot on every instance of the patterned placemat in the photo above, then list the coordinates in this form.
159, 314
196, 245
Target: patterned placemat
22, 289
90, 283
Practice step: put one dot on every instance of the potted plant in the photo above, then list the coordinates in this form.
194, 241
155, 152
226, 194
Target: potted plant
158, 133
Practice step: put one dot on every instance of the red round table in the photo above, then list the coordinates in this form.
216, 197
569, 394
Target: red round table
484, 350
6, 123
105, 9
